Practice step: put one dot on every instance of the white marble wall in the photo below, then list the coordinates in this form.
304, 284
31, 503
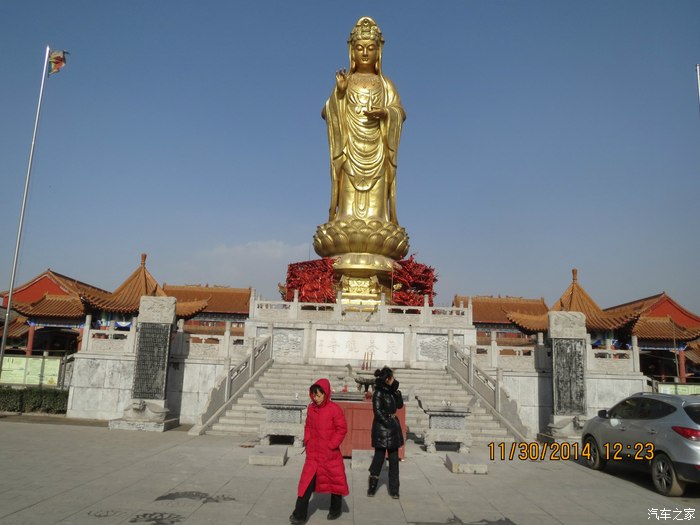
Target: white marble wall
531, 395
100, 386
532, 392
604, 390
189, 383
347, 341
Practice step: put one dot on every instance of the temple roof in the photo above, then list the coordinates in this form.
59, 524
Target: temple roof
489, 309
127, 298
529, 323
70, 298
663, 328
18, 327
67, 284
692, 352
640, 305
219, 299
659, 305
52, 305
576, 299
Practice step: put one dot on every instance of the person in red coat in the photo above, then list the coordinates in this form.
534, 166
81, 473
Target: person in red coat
324, 470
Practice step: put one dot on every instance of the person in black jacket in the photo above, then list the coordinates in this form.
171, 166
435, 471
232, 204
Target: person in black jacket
387, 436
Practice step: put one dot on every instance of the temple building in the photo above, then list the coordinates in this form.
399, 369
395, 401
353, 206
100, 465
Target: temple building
666, 332
490, 317
661, 327
222, 304
49, 312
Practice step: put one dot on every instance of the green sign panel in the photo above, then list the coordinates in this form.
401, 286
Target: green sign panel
681, 390
23, 370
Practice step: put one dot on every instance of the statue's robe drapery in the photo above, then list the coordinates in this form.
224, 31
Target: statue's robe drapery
363, 150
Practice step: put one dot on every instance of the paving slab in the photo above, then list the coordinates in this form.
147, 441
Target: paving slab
88, 475
268, 455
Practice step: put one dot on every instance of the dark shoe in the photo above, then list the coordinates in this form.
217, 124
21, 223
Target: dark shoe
394, 495
334, 515
296, 521
372, 488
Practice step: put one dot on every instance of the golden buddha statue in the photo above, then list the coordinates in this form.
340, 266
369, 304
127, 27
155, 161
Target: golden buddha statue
364, 117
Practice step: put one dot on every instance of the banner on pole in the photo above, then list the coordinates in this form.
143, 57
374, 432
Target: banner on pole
57, 59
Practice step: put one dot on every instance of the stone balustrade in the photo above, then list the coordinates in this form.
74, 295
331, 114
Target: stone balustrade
379, 314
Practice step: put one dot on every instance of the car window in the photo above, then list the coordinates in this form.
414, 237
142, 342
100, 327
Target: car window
626, 409
693, 412
654, 409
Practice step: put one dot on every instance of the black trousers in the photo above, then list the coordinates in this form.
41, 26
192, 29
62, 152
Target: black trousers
378, 461
301, 509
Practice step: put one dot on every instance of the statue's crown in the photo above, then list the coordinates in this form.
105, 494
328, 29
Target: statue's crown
366, 29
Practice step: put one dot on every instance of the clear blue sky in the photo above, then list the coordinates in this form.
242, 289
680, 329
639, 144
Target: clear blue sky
541, 136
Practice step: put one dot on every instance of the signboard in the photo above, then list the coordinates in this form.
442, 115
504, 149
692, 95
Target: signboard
375, 346
681, 390
25, 370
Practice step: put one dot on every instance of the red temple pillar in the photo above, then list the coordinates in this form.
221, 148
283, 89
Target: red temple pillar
30, 340
681, 364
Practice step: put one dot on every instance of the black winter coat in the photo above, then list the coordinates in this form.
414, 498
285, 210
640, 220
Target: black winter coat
386, 429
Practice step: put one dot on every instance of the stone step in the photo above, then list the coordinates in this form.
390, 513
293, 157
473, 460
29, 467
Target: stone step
286, 380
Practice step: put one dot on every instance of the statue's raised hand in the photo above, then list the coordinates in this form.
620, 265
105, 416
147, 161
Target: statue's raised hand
341, 81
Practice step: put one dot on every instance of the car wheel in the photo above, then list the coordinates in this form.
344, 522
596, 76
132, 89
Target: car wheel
663, 474
593, 459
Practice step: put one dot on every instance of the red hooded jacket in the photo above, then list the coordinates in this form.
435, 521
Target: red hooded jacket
323, 433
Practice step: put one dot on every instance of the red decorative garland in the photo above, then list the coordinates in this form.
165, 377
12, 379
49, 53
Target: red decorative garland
316, 282
412, 280
313, 279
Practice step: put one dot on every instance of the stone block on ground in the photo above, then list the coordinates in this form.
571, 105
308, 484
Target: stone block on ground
464, 464
268, 455
361, 459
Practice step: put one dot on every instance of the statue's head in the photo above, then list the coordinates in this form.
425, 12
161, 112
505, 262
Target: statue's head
366, 37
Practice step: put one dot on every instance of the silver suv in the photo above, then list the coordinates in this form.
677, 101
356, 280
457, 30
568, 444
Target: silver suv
662, 430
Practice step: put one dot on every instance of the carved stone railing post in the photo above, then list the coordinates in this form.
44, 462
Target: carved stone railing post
635, 354
493, 351
86, 333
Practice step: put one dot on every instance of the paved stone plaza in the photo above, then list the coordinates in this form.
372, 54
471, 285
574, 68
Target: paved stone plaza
55, 472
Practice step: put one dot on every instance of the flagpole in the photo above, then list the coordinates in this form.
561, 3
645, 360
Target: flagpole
21, 215
697, 71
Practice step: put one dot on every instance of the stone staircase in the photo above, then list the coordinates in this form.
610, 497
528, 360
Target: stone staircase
284, 381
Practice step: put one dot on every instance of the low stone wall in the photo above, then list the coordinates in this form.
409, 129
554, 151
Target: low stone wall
189, 383
604, 390
100, 385
531, 393
103, 374
353, 342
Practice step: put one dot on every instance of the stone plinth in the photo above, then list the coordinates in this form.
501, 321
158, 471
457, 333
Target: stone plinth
282, 418
447, 424
143, 415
